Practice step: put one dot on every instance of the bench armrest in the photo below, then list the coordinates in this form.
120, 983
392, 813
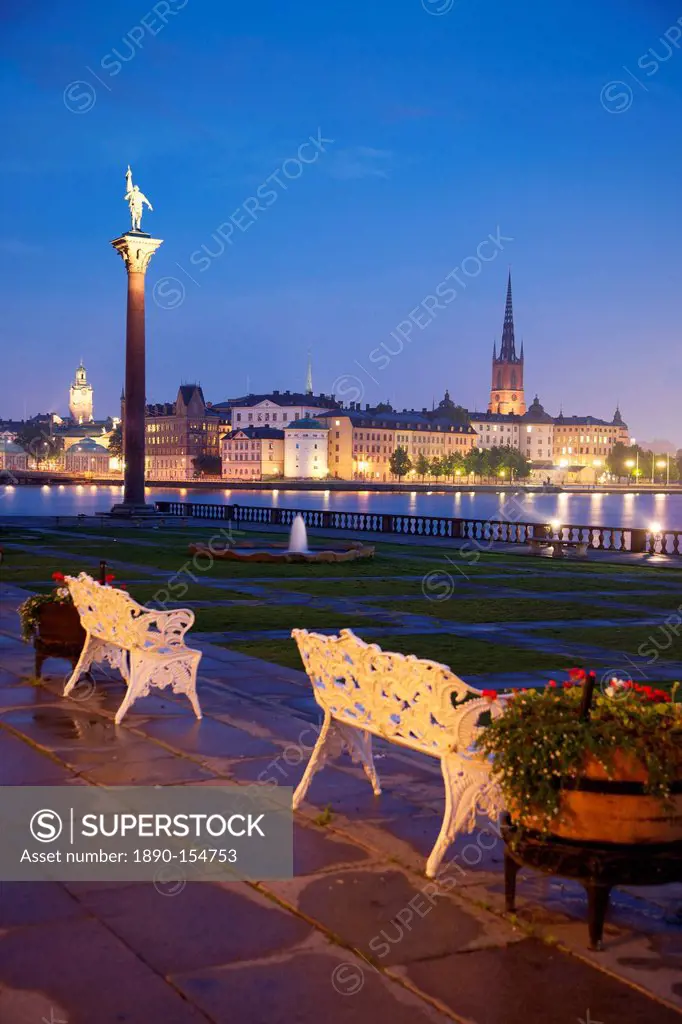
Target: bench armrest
165, 628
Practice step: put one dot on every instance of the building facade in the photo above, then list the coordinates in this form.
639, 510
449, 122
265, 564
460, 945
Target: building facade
506, 388
81, 397
305, 449
361, 443
177, 433
12, 456
254, 453
586, 440
87, 457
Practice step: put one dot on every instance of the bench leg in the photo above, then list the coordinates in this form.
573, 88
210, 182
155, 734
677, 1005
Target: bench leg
86, 659
191, 687
359, 745
318, 758
461, 801
129, 698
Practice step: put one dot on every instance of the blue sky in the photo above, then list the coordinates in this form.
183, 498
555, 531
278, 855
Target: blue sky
486, 118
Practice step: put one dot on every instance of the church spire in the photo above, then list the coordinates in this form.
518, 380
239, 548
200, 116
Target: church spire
309, 376
508, 346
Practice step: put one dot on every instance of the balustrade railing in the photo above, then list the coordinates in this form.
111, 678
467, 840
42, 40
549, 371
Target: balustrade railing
479, 531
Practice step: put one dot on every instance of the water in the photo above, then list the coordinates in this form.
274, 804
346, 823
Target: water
594, 509
298, 537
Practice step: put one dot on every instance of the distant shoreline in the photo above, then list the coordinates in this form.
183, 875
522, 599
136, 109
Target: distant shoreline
351, 486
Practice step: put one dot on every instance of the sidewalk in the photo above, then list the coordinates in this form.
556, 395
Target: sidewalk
358, 934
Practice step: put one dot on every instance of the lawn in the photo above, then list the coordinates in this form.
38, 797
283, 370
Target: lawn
464, 655
257, 616
150, 592
500, 588
654, 642
502, 609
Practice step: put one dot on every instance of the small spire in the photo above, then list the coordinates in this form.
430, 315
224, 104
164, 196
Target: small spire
494, 351
309, 375
508, 348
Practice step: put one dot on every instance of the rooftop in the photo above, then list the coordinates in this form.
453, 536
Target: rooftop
264, 433
281, 398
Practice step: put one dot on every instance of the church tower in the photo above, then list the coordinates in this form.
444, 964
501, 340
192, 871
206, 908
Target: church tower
506, 389
80, 397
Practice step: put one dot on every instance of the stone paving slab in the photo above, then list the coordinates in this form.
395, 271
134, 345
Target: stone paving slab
315, 983
527, 981
77, 971
292, 951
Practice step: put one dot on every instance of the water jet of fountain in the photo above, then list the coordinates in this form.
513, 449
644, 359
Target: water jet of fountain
298, 537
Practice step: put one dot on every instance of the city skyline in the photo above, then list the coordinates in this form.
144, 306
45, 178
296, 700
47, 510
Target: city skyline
404, 178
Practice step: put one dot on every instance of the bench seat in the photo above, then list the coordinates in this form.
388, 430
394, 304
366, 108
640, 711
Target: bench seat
145, 645
422, 705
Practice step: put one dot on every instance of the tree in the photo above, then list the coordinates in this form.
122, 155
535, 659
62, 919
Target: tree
511, 463
437, 467
116, 442
422, 466
207, 465
475, 462
453, 465
400, 463
40, 444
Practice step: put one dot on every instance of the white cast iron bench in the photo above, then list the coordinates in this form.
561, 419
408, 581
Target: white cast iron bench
145, 645
419, 704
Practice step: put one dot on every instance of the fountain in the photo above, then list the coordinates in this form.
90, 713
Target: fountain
296, 550
298, 536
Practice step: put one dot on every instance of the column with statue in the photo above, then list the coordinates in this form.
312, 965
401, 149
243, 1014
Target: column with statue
136, 248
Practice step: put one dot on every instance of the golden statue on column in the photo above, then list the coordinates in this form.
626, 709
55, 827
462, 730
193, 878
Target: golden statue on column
135, 200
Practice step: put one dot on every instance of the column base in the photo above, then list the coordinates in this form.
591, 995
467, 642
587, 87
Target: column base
131, 510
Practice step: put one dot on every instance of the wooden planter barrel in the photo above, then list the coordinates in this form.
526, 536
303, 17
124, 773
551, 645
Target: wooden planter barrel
60, 634
596, 809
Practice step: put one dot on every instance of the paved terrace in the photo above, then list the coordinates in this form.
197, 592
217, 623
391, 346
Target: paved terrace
308, 949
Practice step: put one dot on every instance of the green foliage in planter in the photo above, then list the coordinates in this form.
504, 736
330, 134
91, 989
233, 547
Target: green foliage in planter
541, 740
29, 611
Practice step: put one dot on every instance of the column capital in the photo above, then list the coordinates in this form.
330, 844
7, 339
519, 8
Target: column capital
136, 250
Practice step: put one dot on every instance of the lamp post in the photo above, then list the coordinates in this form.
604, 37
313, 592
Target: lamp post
663, 464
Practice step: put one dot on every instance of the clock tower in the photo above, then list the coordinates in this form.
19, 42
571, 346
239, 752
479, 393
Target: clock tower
80, 397
506, 389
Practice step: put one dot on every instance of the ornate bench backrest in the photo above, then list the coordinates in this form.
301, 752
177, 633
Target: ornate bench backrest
420, 704
107, 613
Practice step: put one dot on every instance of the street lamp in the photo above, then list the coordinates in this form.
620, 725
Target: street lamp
665, 464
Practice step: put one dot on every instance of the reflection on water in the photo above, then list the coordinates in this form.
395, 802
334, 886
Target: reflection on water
594, 509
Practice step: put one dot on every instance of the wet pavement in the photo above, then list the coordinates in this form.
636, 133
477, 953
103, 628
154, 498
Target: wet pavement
357, 933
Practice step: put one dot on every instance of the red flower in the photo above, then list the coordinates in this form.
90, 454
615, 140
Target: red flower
58, 576
567, 684
122, 586
490, 695
109, 578
577, 675
552, 683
